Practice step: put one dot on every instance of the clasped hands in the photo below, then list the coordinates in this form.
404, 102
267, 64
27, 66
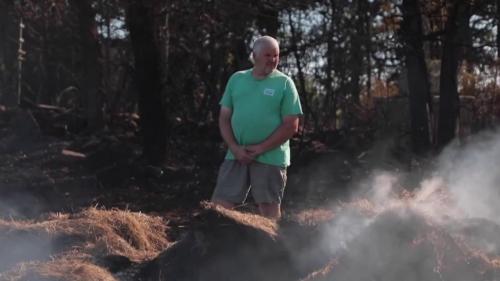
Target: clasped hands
247, 154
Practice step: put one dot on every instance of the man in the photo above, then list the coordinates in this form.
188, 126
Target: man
259, 113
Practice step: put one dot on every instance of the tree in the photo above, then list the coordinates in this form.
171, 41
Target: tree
141, 16
300, 73
331, 98
268, 18
90, 86
358, 37
498, 29
418, 81
457, 19
7, 53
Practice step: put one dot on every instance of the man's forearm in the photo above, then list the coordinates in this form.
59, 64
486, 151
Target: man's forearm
226, 132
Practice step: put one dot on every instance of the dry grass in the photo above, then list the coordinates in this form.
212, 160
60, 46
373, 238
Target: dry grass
313, 217
58, 270
363, 206
134, 235
322, 273
100, 232
251, 220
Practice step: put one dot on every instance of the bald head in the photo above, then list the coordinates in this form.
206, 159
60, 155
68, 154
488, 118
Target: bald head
264, 42
265, 56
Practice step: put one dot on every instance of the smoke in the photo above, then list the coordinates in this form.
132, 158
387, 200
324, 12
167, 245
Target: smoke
465, 184
460, 197
20, 205
472, 174
22, 246
18, 245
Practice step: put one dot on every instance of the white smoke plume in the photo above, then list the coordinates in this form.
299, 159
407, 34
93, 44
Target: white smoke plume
463, 190
465, 183
472, 175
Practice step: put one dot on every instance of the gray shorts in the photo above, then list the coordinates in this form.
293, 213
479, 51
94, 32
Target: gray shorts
235, 180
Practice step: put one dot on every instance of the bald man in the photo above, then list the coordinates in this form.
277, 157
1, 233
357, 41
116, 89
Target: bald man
259, 113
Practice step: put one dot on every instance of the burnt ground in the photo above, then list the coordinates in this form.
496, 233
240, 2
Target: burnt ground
47, 168
41, 172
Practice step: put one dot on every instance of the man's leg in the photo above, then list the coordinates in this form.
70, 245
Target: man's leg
268, 185
270, 210
232, 184
223, 203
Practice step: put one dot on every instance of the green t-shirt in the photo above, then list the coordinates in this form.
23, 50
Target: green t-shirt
258, 108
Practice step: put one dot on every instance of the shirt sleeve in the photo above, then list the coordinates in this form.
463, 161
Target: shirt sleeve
227, 97
290, 104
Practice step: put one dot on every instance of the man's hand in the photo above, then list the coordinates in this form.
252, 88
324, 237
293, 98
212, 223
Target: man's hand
241, 154
226, 132
255, 150
284, 132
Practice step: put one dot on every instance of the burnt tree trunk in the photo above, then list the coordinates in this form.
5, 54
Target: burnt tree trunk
140, 19
268, 19
7, 54
92, 72
356, 50
498, 28
330, 105
302, 80
458, 18
48, 62
240, 53
355, 63
368, 51
418, 81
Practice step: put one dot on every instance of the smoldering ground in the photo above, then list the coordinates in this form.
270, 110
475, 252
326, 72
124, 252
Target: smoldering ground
443, 229
472, 174
440, 229
384, 231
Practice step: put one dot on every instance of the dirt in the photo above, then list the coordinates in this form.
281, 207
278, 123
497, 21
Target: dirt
37, 177
49, 180
42, 171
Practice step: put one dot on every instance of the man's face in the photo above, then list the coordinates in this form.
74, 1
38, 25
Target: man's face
267, 58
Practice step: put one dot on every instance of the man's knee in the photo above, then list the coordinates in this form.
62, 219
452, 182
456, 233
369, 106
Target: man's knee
270, 210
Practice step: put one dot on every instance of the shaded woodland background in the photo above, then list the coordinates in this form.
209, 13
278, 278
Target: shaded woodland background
151, 73
109, 140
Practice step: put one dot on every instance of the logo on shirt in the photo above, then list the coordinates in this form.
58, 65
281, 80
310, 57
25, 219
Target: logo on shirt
269, 92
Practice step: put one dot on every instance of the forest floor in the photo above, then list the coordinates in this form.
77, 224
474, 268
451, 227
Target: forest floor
98, 207
46, 172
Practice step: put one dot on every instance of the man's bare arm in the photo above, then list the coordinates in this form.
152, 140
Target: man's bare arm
226, 131
285, 131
